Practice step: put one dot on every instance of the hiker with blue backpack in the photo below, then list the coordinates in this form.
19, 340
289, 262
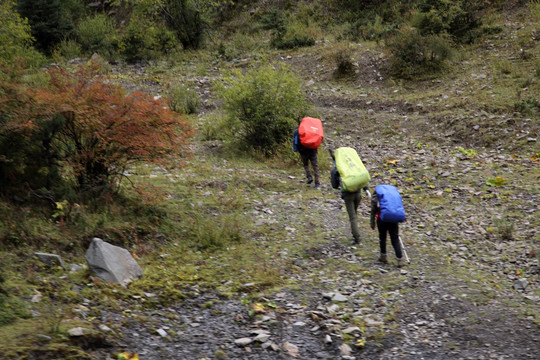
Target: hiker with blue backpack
306, 141
352, 177
387, 211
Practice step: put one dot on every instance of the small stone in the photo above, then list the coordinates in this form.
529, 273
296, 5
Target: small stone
243, 341
520, 284
161, 332
78, 331
352, 329
328, 339
104, 328
262, 338
338, 297
345, 350
291, 349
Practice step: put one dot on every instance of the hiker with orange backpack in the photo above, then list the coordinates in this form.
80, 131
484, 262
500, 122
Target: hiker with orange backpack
387, 211
307, 139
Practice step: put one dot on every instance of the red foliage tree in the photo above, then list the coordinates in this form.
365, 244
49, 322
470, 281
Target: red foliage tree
97, 129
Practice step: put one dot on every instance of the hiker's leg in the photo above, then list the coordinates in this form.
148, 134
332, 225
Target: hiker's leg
393, 229
357, 199
305, 162
353, 218
315, 164
382, 235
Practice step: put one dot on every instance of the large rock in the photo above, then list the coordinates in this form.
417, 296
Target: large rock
112, 263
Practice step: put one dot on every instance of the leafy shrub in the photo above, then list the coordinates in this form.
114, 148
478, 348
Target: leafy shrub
412, 54
344, 65
457, 18
82, 130
48, 19
263, 106
183, 99
368, 29
67, 49
185, 19
15, 37
295, 34
528, 107
97, 34
143, 39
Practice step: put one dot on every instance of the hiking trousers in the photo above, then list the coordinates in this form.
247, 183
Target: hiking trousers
310, 155
352, 200
393, 230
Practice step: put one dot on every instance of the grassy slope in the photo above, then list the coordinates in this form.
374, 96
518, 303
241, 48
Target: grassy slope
264, 221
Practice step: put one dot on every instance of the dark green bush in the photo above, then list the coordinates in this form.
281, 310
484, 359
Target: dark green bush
455, 17
144, 39
49, 21
528, 107
262, 106
412, 54
184, 18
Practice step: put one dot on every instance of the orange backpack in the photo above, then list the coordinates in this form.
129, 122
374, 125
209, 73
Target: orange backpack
311, 132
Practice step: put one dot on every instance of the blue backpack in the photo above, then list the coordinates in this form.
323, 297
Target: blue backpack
390, 203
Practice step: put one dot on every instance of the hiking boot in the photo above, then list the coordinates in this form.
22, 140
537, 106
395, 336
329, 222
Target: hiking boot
317, 185
309, 180
355, 242
400, 263
383, 259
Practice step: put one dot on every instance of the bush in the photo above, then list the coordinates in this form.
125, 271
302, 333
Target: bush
344, 65
294, 35
186, 21
457, 18
97, 34
15, 38
263, 106
183, 99
412, 54
48, 19
82, 131
143, 39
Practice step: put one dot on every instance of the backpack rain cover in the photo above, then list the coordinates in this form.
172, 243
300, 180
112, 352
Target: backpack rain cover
310, 132
391, 204
354, 175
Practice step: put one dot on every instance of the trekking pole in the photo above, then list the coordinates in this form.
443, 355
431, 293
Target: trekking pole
404, 252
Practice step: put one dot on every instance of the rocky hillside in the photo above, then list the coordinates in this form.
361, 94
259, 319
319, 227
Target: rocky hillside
466, 162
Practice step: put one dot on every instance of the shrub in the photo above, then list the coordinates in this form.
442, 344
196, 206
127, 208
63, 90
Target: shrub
263, 106
67, 49
15, 37
185, 19
295, 34
97, 34
457, 18
412, 54
344, 65
143, 39
48, 19
81, 129
528, 107
183, 99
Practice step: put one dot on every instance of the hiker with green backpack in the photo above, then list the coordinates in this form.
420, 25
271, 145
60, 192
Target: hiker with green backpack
352, 177
387, 211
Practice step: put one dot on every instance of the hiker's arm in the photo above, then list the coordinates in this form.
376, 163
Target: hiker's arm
366, 189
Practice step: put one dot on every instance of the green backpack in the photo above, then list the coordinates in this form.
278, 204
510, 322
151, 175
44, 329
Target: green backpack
354, 175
